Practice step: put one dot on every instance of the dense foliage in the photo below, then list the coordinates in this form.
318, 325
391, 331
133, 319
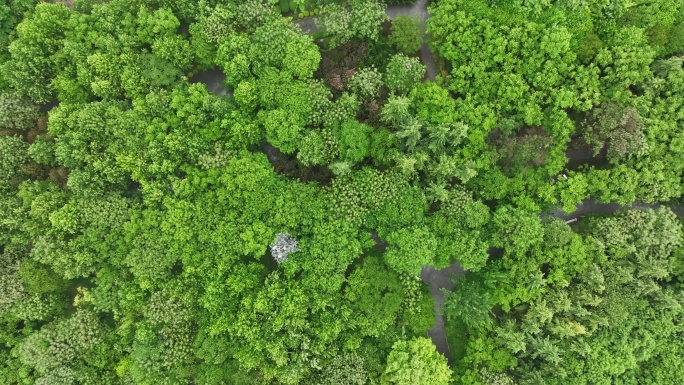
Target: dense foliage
599, 306
536, 78
538, 83
157, 227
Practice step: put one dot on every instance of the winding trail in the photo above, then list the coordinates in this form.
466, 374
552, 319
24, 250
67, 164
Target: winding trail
308, 25
418, 9
438, 280
588, 206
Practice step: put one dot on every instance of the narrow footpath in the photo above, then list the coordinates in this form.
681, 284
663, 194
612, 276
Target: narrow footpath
438, 280
213, 79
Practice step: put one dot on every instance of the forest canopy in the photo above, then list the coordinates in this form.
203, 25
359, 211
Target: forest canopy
249, 192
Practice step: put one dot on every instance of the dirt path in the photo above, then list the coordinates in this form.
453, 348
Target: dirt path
418, 9
438, 280
213, 79
308, 25
588, 206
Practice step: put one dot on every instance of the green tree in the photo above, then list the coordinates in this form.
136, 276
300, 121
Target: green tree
68, 351
366, 83
366, 19
354, 141
282, 130
40, 36
40, 279
318, 148
336, 20
245, 95
345, 370
471, 304
416, 362
396, 111
619, 129
375, 293
410, 249
403, 73
362, 21
675, 43
406, 34
14, 155
516, 229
